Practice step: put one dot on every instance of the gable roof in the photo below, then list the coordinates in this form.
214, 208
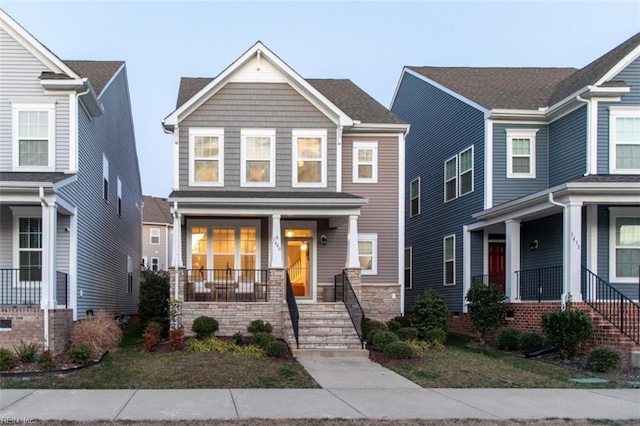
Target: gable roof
98, 72
156, 210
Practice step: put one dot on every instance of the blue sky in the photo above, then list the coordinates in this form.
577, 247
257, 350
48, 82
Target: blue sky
367, 42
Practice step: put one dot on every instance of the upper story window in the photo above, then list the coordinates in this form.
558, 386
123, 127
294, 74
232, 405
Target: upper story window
521, 153
624, 140
451, 179
449, 254
624, 241
408, 268
105, 177
365, 162
414, 194
258, 152
33, 136
206, 157
309, 158
466, 171
368, 253
119, 202
154, 235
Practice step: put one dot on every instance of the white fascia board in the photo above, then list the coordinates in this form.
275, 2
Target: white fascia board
158, 223
617, 68
613, 90
378, 127
262, 202
111, 80
62, 84
16, 184
64, 182
249, 211
395, 92
523, 114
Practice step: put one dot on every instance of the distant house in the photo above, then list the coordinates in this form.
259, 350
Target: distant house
528, 178
70, 194
282, 183
157, 233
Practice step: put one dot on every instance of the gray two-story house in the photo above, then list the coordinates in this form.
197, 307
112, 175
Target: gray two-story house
157, 234
280, 178
70, 193
527, 178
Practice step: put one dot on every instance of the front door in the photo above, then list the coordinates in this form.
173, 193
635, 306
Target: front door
298, 255
497, 264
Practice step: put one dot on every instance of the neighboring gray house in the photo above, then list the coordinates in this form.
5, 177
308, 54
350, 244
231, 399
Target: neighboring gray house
70, 193
157, 233
272, 173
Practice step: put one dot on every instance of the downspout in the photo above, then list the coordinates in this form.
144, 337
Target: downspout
565, 285
588, 147
46, 304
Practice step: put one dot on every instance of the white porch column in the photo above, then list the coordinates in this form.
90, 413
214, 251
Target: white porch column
572, 248
352, 241
276, 243
466, 265
49, 231
512, 260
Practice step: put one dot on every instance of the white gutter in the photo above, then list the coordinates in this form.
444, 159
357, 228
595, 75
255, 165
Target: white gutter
46, 300
565, 293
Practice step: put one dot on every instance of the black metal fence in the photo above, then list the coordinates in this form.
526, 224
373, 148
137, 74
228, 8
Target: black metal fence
344, 292
540, 284
23, 287
293, 309
226, 285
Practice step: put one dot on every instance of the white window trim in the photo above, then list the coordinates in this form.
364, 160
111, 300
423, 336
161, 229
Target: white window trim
151, 232
301, 133
119, 198
47, 106
373, 238
410, 268
105, 177
460, 173
614, 214
206, 131
614, 114
145, 261
444, 260
269, 133
374, 173
455, 176
23, 212
411, 199
521, 134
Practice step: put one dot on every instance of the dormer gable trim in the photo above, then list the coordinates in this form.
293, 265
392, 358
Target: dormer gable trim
617, 68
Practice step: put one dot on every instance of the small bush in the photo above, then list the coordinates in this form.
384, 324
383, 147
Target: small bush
213, 344
153, 304
407, 333
394, 325
7, 361
371, 326
204, 327
237, 338
151, 337
398, 350
404, 321
26, 352
176, 337
382, 338
530, 342
509, 339
429, 311
100, 332
436, 337
603, 360
259, 326
486, 308
80, 354
276, 349
567, 329
262, 339
46, 360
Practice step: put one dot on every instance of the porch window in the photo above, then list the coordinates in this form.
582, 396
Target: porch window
30, 248
33, 135
521, 153
154, 236
449, 260
258, 151
365, 162
451, 179
624, 136
408, 268
625, 250
368, 253
415, 197
206, 153
466, 171
309, 158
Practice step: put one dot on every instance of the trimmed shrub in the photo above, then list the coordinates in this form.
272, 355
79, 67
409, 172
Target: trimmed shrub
404, 321
436, 336
153, 305
213, 344
603, 360
151, 337
372, 326
382, 338
262, 339
7, 361
509, 339
394, 325
204, 327
486, 308
407, 333
429, 311
530, 342
568, 329
259, 326
26, 352
238, 338
80, 354
276, 349
398, 350
100, 332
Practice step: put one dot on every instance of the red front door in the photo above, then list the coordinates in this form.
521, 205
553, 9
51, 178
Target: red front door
497, 264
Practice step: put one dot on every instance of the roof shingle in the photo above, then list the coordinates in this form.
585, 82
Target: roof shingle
98, 72
156, 210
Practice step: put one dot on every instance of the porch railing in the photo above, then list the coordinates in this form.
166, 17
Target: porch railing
226, 285
540, 284
344, 292
614, 306
23, 287
293, 310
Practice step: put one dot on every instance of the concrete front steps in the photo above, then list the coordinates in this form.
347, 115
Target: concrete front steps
325, 330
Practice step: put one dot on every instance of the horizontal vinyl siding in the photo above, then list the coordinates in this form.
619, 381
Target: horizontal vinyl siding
507, 189
441, 126
548, 232
6, 237
240, 106
62, 249
568, 147
477, 253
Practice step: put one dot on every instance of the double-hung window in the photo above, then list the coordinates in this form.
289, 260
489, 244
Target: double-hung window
451, 179
309, 158
30, 248
521, 153
105, 177
465, 171
408, 268
414, 194
624, 140
33, 136
154, 236
624, 241
449, 254
119, 201
155, 263
258, 152
368, 253
365, 162
206, 157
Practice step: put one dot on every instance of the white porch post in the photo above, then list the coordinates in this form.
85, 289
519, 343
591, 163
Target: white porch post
466, 265
572, 248
176, 255
352, 241
276, 243
49, 231
512, 260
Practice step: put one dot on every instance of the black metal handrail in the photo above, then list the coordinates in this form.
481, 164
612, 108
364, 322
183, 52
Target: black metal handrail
540, 284
614, 306
23, 287
343, 290
293, 309
226, 285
